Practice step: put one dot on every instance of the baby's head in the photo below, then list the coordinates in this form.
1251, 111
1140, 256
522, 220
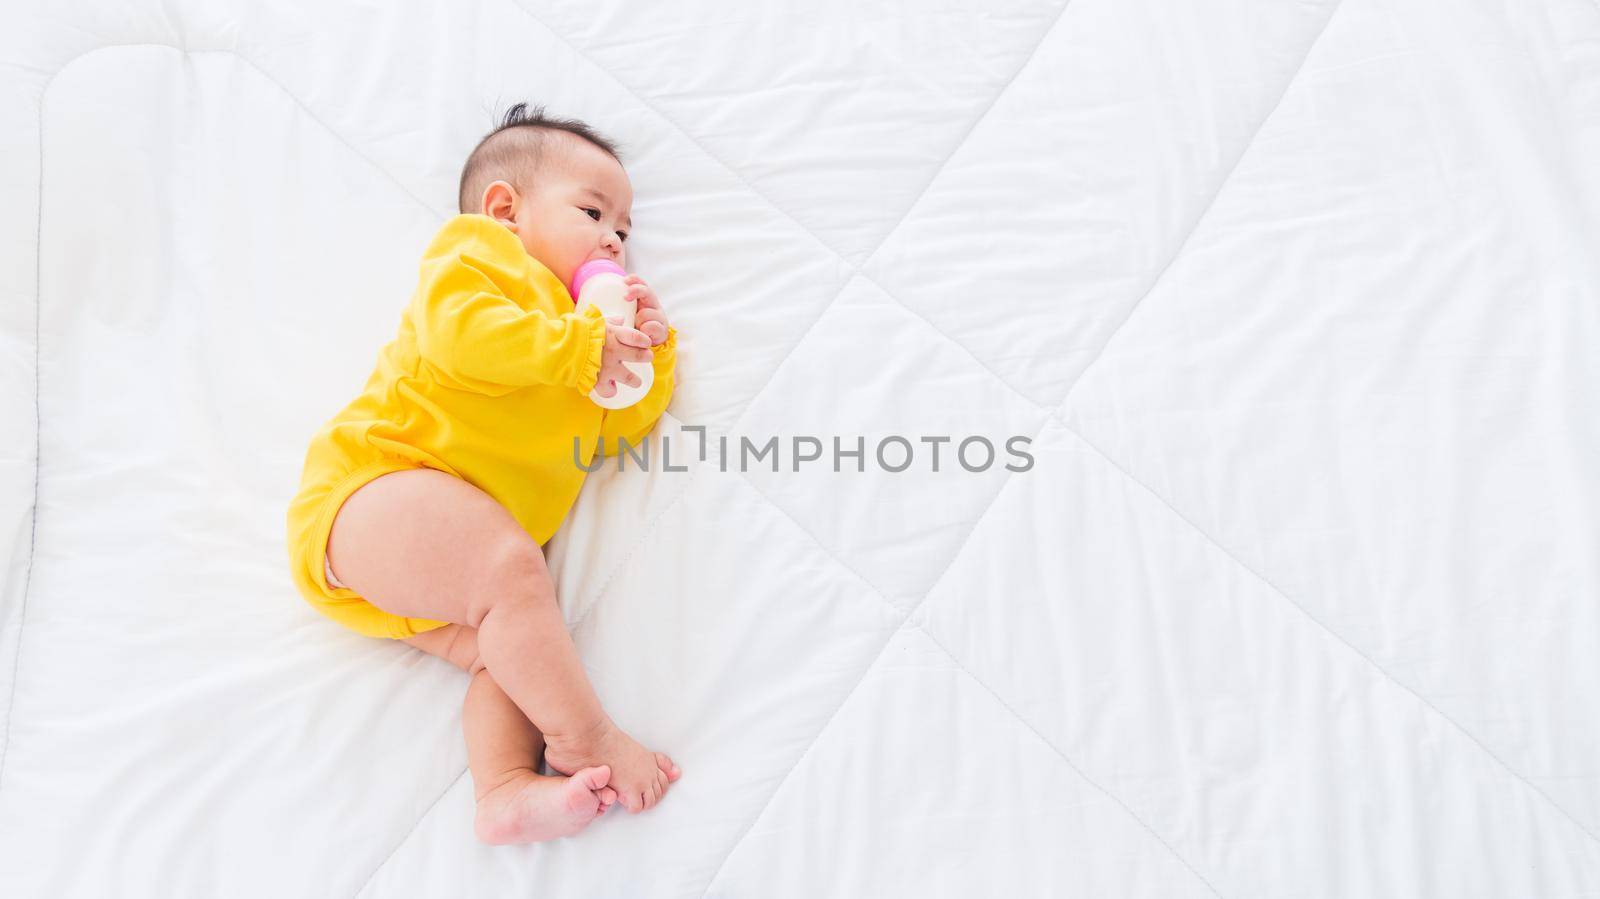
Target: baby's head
556, 184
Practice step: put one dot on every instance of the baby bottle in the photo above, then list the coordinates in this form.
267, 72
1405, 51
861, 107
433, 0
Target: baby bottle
599, 282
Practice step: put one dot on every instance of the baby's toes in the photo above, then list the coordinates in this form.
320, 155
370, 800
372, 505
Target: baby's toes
582, 797
668, 767
595, 778
632, 800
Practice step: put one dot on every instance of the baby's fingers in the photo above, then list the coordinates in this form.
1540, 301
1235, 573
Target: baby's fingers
629, 336
635, 354
645, 297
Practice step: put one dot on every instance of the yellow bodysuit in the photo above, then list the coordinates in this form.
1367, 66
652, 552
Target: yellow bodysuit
488, 380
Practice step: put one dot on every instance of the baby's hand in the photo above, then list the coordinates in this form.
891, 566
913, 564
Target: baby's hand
622, 345
649, 318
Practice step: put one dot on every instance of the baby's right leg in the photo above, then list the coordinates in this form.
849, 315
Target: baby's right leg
426, 544
516, 804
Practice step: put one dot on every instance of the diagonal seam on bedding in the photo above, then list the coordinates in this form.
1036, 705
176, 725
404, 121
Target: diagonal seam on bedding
1055, 412
38, 429
401, 186
406, 837
17, 643
855, 270
44, 90
1332, 634
801, 339
16, 649
1067, 760
845, 699
757, 192
1205, 210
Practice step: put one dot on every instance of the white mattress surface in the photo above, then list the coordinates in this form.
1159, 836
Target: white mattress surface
1298, 303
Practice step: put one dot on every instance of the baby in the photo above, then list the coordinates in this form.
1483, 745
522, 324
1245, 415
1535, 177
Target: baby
424, 503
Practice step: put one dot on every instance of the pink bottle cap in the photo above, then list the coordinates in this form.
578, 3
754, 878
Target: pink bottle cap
590, 269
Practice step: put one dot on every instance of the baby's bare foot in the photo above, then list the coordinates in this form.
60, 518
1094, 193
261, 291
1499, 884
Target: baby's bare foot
531, 807
638, 776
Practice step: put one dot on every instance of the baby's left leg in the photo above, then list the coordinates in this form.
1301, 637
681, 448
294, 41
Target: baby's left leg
516, 804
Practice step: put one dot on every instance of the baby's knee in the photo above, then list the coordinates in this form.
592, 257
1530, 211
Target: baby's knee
514, 574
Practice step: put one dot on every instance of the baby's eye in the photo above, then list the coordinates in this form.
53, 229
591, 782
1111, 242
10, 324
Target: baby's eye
593, 213
623, 235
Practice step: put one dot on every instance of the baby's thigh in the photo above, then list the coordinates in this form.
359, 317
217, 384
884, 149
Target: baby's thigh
426, 544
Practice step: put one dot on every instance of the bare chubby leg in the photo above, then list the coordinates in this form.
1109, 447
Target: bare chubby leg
516, 804
426, 544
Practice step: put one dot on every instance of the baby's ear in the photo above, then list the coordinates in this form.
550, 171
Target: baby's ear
500, 203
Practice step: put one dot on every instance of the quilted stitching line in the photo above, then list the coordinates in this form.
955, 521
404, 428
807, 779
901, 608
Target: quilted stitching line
1335, 635
401, 186
1200, 219
1059, 409
1057, 412
855, 270
1044, 38
1000, 700
576, 624
645, 102
748, 185
16, 661
1222, 183
38, 423
845, 700
412, 830
839, 561
872, 588
958, 344
859, 271
803, 336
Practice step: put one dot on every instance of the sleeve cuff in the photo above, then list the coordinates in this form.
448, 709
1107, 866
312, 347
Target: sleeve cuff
665, 352
589, 368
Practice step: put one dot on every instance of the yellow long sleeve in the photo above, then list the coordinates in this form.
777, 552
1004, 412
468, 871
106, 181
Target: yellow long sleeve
634, 422
478, 327
488, 379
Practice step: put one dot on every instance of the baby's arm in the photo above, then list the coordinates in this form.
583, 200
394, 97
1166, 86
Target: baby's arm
471, 331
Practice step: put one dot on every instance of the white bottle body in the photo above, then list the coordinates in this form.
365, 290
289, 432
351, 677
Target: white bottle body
608, 291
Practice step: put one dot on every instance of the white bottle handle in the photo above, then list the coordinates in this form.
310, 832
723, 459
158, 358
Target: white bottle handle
625, 395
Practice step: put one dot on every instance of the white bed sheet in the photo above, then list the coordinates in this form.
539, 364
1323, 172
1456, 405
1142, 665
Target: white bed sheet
1297, 302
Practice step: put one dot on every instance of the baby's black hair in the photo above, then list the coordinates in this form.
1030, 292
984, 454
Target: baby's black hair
518, 152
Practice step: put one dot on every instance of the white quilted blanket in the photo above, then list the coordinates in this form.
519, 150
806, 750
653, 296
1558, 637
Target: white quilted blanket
1297, 302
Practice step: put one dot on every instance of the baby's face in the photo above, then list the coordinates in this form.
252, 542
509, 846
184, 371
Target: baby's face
580, 209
